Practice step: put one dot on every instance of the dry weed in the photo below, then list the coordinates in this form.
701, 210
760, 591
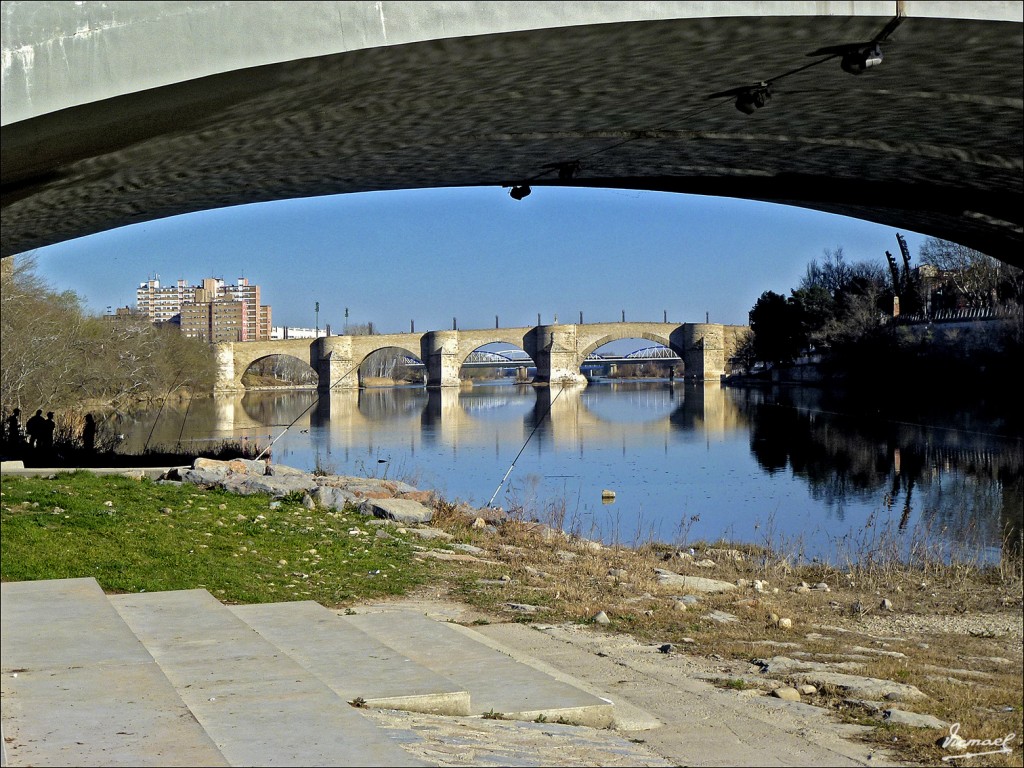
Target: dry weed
973, 681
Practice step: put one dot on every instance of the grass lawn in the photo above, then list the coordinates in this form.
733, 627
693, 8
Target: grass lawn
140, 535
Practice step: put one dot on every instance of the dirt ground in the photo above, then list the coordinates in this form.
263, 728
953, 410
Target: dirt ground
669, 713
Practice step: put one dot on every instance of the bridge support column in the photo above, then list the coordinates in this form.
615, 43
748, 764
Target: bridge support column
225, 380
334, 363
704, 351
557, 358
440, 351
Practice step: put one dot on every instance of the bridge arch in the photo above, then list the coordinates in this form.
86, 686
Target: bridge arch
303, 361
386, 361
239, 103
663, 339
234, 359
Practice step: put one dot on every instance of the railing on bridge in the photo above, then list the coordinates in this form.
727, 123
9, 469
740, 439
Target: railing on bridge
953, 315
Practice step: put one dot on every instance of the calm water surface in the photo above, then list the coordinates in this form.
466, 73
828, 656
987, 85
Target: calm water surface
687, 462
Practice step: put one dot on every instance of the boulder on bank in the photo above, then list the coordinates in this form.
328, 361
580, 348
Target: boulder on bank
278, 487
387, 499
232, 466
692, 583
245, 477
329, 497
399, 510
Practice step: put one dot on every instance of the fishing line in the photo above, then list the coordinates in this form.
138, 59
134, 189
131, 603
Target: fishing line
535, 428
162, 404
185, 418
308, 409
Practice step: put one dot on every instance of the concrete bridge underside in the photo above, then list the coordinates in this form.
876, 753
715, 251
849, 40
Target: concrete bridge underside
558, 351
119, 113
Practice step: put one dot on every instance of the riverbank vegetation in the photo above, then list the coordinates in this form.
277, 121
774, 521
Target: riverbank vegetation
58, 357
949, 627
863, 324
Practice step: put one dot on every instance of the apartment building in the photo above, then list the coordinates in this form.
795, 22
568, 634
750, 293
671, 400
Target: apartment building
212, 310
161, 304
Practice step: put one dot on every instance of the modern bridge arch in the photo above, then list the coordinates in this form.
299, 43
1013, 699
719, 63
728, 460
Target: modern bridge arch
118, 113
663, 340
471, 341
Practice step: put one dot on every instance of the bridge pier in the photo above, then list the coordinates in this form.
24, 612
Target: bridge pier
704, 351
557, 356
225, 379
440, 352
334, 363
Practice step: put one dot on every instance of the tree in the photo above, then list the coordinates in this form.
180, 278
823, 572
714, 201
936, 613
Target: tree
832, 275
975, 277
775, 325
816, 311
56, 356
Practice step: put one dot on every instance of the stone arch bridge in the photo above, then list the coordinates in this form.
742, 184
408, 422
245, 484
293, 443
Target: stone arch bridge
557, 351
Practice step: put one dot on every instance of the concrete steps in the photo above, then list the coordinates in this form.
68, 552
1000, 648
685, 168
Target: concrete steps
177, 678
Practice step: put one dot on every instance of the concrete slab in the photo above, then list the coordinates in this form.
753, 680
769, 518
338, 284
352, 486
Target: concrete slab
495, 681
13, 469
260, 706
352, 663
79, 688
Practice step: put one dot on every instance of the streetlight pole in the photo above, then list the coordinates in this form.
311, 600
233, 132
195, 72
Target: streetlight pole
317, 318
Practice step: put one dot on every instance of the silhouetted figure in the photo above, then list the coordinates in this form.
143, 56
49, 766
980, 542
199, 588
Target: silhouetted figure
13, 433
46, 431
34, 429
89, 434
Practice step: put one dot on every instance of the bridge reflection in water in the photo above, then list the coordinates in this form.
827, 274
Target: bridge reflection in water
452, 416
739, 460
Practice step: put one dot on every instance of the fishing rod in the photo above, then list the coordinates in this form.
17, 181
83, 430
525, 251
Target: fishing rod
535, 428
185, 418
162, 404
307, 410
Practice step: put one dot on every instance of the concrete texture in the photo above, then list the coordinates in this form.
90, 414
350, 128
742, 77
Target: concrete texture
177, 678
119, 113
496, 682
79, 688
260, 706
353, 663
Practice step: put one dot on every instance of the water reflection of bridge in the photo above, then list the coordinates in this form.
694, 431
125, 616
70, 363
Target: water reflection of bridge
563, 416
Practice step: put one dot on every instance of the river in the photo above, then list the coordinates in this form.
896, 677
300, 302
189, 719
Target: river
783, 467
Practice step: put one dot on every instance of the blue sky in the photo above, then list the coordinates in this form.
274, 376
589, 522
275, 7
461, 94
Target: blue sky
473, 253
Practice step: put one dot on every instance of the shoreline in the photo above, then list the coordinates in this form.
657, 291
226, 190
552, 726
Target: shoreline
902, 650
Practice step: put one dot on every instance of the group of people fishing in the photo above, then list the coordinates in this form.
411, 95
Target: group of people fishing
36, 437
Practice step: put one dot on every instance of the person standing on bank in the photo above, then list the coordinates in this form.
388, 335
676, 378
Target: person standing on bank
89, 434
46, 430
34, 429
13, 435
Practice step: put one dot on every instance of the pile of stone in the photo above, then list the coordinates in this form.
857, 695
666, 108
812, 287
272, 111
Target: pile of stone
388, 499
